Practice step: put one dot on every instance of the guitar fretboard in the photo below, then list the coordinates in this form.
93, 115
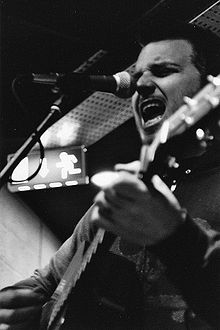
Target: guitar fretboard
73, 273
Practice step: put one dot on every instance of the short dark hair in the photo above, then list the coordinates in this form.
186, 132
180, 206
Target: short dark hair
205, 44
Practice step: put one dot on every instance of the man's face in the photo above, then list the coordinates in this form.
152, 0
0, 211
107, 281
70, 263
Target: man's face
165, 74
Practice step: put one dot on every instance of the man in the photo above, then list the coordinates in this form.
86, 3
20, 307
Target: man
151, 222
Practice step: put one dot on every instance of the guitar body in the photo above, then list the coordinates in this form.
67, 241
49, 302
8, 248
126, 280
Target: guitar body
108, 296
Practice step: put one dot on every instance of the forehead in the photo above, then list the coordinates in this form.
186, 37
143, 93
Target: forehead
175, 51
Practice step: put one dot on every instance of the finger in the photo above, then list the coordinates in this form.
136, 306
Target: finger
103, 221
129, 186
125, 186
116, 229
118, 197
162, 188
108, 199
12, 316
159, 185
132, 167
102, 208
13, 298
101, 201
106, 213
33, 324
4, 326
112, 198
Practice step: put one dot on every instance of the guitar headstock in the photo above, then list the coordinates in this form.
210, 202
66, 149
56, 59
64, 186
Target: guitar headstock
191, 112
196, 108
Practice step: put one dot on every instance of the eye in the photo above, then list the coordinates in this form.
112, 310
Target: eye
163, 72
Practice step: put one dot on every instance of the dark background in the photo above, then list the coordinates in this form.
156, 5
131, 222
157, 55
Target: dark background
57, 36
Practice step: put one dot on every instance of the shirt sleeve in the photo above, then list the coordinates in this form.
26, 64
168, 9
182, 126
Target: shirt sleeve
192, 257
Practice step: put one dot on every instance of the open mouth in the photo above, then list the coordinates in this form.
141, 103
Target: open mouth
151, 111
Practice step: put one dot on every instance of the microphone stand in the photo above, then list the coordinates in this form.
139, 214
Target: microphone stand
56, 111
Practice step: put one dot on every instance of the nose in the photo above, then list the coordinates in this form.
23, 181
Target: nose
145, 89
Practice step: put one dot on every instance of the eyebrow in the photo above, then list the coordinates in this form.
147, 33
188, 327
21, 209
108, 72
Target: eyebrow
158, 65
164, 63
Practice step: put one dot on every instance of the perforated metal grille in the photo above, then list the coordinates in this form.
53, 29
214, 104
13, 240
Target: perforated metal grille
101, 113
210, 18
96, 116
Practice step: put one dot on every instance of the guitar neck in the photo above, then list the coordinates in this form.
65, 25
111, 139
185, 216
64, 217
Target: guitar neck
101, 243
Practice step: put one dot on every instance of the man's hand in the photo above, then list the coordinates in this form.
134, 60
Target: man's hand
128, 209
19, 309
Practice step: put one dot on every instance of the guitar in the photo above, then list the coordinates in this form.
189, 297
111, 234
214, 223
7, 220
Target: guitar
86, 256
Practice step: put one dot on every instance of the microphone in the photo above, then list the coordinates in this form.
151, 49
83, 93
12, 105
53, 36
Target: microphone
120, 84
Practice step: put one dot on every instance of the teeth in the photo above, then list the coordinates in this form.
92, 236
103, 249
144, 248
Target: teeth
154, 105
152, 111
153, 121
